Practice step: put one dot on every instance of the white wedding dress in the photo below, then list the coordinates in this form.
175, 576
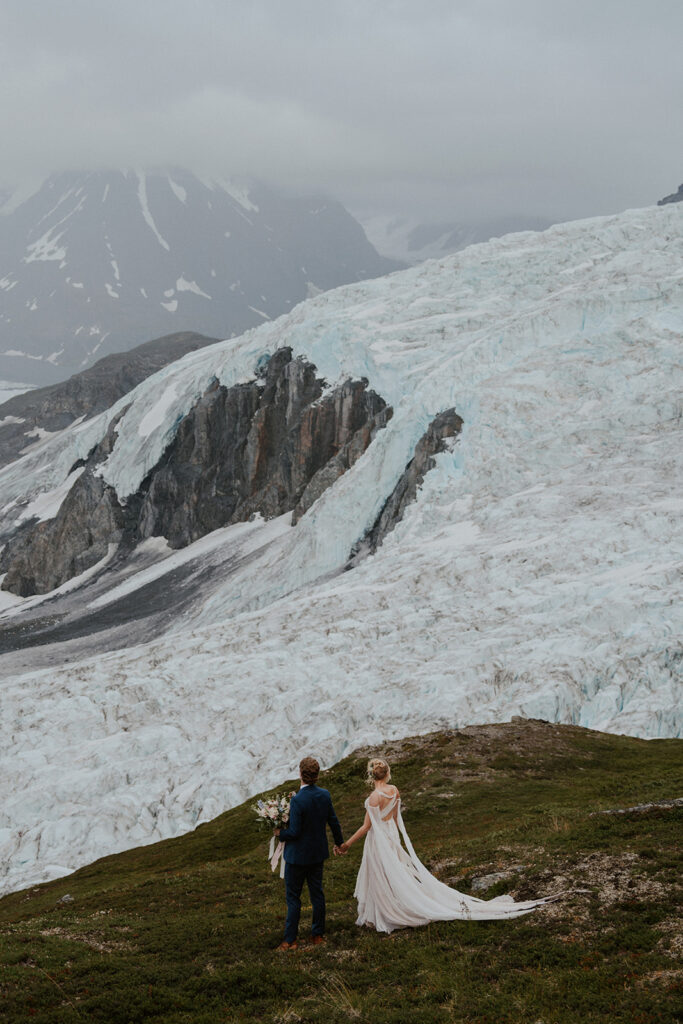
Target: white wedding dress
395, 890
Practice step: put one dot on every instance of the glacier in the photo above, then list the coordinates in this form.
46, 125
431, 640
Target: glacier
538, 573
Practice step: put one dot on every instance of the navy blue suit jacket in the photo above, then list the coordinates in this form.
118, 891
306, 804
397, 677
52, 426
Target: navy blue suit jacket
305, 837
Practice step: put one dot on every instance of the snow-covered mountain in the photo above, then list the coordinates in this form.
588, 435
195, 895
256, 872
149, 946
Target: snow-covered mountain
93, 263
412, 241
537, 572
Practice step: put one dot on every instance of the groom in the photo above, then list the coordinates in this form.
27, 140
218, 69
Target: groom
306, 849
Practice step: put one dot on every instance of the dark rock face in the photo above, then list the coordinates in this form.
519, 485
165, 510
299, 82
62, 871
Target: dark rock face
255, 448
675, 197
270, 446
90, 392
447, 424
44, 557
350, 450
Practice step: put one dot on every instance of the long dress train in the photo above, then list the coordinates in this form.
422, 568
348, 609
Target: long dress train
395, 890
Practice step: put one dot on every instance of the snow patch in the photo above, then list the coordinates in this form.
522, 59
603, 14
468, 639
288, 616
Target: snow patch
46, 249
178, 190
24, 355
41, 434
144, 206
183, 285
156, 415
8, 600
47, 505
23, 192
258, 532
8, 389
12, 609
260, 312
239, 194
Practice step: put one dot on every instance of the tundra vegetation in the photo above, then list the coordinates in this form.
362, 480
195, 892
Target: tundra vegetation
183, 931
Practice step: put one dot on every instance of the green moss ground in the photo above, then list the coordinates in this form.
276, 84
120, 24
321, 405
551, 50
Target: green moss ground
184, 931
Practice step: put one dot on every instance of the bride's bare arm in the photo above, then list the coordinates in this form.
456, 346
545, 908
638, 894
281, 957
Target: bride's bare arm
362, 831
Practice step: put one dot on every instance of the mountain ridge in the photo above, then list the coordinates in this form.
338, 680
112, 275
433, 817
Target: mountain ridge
56, 406
98, 262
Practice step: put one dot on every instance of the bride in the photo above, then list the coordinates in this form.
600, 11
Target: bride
394, 889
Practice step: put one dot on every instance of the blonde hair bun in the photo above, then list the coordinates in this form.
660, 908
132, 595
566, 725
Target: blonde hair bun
378, 770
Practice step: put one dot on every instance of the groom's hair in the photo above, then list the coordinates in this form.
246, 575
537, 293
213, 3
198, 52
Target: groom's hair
310, 770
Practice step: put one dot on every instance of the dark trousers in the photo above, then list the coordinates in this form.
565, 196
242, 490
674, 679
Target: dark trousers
295, 876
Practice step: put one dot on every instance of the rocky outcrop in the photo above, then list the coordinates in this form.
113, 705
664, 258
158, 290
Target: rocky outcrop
89, 392
446, 425
42, 558
269, 446
261, 447
675, 197
345, 457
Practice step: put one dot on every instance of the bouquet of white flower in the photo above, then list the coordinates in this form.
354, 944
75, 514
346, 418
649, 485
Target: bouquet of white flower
274, 813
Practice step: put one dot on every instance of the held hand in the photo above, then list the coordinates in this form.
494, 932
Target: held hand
344, 848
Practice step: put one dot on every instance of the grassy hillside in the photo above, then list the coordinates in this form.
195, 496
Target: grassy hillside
184, 931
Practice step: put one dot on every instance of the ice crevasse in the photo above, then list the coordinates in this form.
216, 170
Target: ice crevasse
537, 573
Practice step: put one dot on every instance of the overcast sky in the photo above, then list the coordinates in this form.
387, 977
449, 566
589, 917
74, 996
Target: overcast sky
450, 110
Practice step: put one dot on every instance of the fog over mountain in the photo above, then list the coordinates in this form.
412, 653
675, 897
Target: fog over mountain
436, 111
93, 263
412, 241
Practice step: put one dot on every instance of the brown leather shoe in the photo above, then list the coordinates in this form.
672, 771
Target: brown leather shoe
286, 947
318, 940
